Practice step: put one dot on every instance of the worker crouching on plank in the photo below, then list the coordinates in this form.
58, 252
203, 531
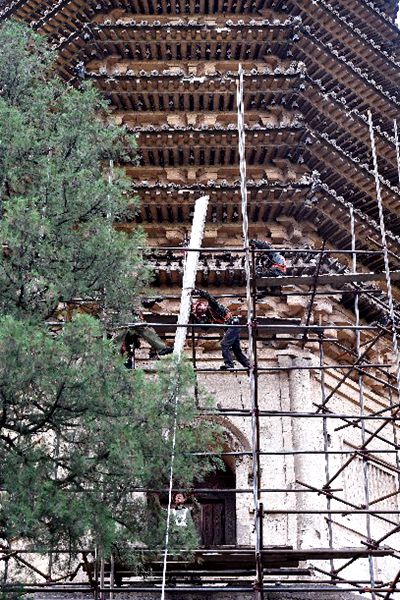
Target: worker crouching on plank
270, 264
207, 310
132, 337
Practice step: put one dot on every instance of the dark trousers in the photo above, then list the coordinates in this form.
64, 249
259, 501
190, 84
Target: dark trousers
231, 343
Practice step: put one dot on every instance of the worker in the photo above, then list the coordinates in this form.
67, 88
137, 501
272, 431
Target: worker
130, 343
270, 264
180, 510
183, 535
131, 339
208, 311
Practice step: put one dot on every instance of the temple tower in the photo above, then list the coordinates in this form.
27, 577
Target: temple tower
322, 421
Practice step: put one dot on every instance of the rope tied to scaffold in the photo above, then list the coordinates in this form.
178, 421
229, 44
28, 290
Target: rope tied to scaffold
385, 249
171, 476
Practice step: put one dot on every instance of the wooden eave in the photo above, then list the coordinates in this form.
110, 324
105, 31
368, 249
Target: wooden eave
142, 69
351, 134
344, 175
375, 24
165, 43
328, 211
40, 14
174, 41
355, 45
207, 137
389, 7
231, 21
366, 15
173, 206
354, 122
259, 194
200, 73
329, 218
333, 216
58, 20
331, 69
208, 149
187, 149
346, 103
186, 44
276, 117
210, 177
274, 79
228, 215
172, 91
221, 24
268, 135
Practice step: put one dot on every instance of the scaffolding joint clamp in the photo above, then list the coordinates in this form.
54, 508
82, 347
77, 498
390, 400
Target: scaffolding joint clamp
373, 544
326, 490
364, 453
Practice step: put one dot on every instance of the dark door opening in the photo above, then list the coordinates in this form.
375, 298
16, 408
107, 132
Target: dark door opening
216, 518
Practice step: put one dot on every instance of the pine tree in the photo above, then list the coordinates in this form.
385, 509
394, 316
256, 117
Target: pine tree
79, 432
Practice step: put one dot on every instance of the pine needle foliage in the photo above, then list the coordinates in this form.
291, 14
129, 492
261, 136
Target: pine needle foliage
79, 433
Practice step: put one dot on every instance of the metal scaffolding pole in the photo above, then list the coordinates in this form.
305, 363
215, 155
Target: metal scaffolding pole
362, 405
255, 426
326, 452
387, 269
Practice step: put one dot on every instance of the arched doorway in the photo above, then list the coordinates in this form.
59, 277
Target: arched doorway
215, 517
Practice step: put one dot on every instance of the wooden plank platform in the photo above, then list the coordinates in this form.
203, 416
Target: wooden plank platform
166, 323
225, 558
163, 319
332, 279
224, 562
268, 326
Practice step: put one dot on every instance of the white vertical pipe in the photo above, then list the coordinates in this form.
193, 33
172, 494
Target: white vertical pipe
188, 283
190, 270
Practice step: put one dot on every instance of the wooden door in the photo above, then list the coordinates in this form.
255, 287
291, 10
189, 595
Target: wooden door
212, 523
216, 517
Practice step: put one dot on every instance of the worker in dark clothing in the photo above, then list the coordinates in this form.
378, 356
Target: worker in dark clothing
129, 345
131, 339
273, 264
270, 264
207, 310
